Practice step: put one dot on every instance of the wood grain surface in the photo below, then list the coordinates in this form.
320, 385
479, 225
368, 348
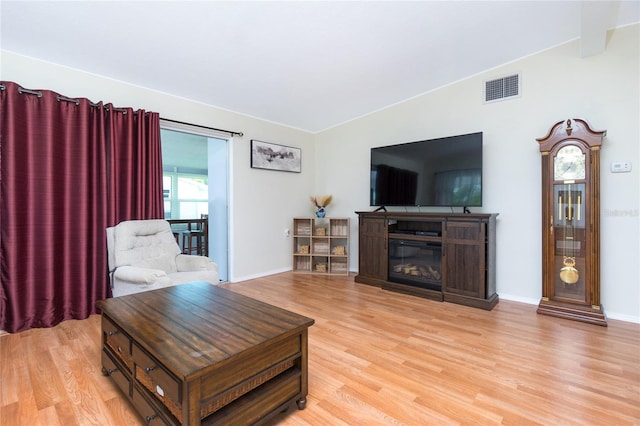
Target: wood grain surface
375, 358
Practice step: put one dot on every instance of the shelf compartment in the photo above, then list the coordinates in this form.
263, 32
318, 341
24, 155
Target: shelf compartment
302, 263
339, 228
320, 246
338, 265
339, 247
302, 227
302, 245
320, 264
425, 228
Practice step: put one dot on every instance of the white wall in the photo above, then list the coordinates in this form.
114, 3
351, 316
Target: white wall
263, 202
556, 84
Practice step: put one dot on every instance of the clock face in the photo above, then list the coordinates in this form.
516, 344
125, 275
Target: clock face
569, 164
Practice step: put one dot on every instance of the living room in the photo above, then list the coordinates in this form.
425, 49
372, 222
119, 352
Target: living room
557, 84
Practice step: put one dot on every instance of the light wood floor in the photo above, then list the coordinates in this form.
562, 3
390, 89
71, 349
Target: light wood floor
375, 358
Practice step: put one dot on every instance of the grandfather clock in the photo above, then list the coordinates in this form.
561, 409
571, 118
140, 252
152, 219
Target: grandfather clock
571, 222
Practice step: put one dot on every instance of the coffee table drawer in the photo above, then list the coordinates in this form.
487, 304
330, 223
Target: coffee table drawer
148, 412
119, 342
157, 380
111, 369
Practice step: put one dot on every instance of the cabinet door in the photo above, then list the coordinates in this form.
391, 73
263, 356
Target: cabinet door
373, 250
464, 258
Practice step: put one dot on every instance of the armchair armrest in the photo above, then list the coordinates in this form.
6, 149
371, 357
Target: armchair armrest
187, 262
137, 275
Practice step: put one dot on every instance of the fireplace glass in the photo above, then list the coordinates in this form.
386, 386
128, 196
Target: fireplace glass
417, 263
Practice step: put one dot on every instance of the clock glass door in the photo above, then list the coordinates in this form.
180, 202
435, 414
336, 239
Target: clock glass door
569, 242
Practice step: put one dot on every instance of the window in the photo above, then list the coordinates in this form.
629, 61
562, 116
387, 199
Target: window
185, 196
185, 175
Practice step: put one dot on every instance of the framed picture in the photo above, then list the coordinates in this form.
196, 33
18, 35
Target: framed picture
271, 156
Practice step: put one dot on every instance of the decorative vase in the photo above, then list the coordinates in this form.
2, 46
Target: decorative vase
320, 212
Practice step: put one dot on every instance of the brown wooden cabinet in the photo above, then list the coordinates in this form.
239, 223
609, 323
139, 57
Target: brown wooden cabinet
372, 240
448, 257
467, 255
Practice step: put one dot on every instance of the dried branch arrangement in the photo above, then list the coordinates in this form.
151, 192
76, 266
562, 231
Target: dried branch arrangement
321, 202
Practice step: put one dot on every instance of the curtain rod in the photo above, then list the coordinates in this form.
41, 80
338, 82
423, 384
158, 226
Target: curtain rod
232, 133
62, 98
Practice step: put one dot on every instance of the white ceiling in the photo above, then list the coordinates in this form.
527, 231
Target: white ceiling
306, 64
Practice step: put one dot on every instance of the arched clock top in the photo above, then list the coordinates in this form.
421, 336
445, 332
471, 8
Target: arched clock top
576, 130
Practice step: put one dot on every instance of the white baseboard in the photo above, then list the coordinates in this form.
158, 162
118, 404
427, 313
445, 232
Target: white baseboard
520, 299
610, 315
259, 275
622, 317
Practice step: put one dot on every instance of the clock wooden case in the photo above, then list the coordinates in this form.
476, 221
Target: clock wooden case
571, 222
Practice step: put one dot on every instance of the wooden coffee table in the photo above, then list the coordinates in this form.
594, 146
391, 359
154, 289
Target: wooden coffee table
200, 354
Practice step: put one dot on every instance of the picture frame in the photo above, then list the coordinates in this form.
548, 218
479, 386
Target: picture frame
271, 156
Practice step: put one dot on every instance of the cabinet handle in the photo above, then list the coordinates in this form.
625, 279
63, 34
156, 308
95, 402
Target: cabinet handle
149, 369
149, 418
111, 333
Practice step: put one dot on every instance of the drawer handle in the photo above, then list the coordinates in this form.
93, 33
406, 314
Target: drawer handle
149, 418
111, 370
111, 333
149, 369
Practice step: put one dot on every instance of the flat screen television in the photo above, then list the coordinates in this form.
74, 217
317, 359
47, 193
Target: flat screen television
443, 172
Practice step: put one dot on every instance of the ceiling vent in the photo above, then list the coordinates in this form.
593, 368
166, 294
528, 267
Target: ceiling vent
502, 88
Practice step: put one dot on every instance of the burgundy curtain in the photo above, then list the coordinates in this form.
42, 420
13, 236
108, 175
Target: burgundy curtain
60, 187
135, 178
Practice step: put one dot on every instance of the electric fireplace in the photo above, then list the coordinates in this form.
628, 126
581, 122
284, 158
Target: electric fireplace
416, 263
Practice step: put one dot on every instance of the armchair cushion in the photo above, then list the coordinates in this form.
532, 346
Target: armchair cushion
186, 262
144, 255
137, 275
147, 244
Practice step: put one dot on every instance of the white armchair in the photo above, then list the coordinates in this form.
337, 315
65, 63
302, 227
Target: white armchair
144, 255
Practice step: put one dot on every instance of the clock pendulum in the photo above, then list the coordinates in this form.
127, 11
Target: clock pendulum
568, 273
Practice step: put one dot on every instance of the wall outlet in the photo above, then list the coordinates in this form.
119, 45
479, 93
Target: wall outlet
620, 167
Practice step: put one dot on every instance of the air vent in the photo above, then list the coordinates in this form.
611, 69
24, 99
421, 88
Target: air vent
502, 88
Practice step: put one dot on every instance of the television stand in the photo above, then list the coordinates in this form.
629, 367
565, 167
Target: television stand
381, 209
466, 210
447, 257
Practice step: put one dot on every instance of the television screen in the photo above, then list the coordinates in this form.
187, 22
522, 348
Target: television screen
444, 172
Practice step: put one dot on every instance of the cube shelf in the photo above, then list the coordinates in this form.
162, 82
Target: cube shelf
321, 245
